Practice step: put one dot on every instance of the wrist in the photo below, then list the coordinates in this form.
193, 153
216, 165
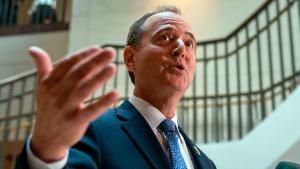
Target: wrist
46, 152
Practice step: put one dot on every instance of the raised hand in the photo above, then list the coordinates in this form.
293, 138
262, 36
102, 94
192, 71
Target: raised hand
62, 117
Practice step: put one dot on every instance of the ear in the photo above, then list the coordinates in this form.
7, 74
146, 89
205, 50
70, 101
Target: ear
129, 58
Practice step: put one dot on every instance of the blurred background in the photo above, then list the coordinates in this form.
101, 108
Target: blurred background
242, 108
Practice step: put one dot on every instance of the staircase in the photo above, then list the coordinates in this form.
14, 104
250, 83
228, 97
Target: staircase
241, 79
275, 139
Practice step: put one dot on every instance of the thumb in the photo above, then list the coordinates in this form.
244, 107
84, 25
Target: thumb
42, 61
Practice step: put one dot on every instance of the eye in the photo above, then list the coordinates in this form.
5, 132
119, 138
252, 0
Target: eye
189, 44
166, 37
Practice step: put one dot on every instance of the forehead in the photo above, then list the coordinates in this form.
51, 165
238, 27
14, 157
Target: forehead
162, 19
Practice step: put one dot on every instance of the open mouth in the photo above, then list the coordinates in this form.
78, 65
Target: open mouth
177, 66
180, 67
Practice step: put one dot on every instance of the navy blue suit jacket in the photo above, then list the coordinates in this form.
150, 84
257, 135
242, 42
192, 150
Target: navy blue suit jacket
122, 139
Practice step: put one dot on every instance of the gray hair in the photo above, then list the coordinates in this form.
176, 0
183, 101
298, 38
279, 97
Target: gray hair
136, 29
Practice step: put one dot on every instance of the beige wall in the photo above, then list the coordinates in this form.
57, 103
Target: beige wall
108, 21
14, 58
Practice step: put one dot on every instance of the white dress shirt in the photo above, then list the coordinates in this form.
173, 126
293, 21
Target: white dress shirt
35, 163
153, 117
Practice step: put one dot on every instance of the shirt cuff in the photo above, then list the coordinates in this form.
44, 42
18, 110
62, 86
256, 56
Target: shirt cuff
35, 163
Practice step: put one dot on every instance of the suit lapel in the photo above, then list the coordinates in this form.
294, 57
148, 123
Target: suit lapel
200, 160
141, 134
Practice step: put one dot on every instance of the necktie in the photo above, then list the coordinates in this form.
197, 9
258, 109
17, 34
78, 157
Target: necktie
169, 129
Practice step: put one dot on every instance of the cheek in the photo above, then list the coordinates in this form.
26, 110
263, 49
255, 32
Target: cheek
192, 67
155, 58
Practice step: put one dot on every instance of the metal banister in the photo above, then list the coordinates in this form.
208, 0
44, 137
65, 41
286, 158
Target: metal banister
240, 80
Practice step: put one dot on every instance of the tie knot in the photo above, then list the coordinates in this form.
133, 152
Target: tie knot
167, 126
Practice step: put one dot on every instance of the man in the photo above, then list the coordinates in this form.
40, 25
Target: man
142, 132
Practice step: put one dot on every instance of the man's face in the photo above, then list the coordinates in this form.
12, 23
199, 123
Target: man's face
165, 58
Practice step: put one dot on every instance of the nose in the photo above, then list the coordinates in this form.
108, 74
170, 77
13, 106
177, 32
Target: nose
179, 48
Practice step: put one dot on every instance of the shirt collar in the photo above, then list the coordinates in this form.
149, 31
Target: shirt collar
151, 114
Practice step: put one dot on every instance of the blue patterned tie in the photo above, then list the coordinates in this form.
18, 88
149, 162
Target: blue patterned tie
169, 129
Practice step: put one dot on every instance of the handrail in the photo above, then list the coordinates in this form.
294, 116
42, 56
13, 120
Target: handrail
2, 118
17, 77
240, 80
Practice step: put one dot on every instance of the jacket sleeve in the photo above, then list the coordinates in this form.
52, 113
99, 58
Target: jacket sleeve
86, 153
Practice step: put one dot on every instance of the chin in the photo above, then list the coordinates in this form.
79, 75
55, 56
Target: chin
179, 86
176, 83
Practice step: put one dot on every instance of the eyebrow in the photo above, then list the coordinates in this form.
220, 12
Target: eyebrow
191, 35
163, 29
168, 28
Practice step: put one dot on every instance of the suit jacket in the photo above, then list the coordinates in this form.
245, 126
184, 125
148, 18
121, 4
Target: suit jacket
122, 139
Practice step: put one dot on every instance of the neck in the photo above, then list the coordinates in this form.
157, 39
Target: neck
165, 103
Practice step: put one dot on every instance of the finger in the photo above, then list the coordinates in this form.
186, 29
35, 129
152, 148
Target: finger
62, 67
84, 70
42, 61
96, 109
86, 88
90, 86
93, 65
83, 52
